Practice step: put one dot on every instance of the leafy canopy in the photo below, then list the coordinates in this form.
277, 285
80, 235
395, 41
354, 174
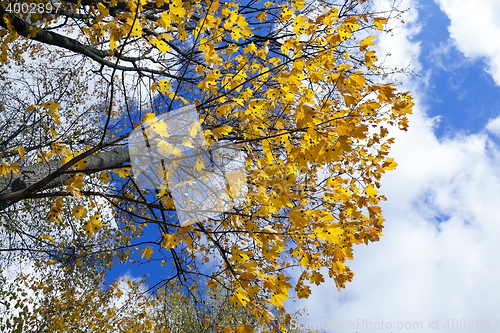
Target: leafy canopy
297, 84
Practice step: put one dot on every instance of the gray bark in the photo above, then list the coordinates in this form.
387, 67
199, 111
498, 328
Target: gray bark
34, 174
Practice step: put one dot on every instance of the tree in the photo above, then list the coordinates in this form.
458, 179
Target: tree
209, 312
297, 84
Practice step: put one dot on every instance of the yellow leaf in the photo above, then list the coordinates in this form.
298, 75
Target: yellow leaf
228, 329
136, 28
163, 85
82, 164
298, 4
104, 11
105, 177
367, 41
55, 212
329, 233
223, 110
379, 23
176, 8
244, 329
370, 191
316, 278
375, 209
161, 45
149, 118
195, 128
262, 16
51, 262
93, 225
167, 202
240, 297
147, 252
389, 164
286, 13
47, 237
349, 99
52, 110
13, 167
53, 133
199, 164
79, 212
169, 241
124, 172
21, 152
74, 185
4, 169
220, 131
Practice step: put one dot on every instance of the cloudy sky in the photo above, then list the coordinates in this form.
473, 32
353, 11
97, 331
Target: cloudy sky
438, 261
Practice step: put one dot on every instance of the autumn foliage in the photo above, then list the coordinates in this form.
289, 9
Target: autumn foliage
298, 84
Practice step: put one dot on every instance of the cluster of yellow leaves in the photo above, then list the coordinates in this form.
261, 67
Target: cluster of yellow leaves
6, 168
311, 114
62, 307
292, 147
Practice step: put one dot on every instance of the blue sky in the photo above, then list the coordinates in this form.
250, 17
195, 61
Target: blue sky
459, 90
437, 263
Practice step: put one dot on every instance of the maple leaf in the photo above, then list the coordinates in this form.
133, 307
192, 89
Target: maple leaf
389, 164
21, 152
124, 172
53, 133
163, 47
240, 296
316, 278
147, 252
199, 164
379, 23
93, 225
79, 212
74, 185
244, 329
286, 13
220, 131
330, 233
303, 291
169, 241
105, 177
6, 168
81, 165
370, 191
195, 128
262, 16
55, 212
52, 110
368, 41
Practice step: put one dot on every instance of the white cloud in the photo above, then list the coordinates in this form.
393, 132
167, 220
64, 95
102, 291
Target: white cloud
437, 258
494, 126
399, 40
474, 29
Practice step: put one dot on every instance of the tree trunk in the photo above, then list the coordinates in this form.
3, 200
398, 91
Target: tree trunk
34, 174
